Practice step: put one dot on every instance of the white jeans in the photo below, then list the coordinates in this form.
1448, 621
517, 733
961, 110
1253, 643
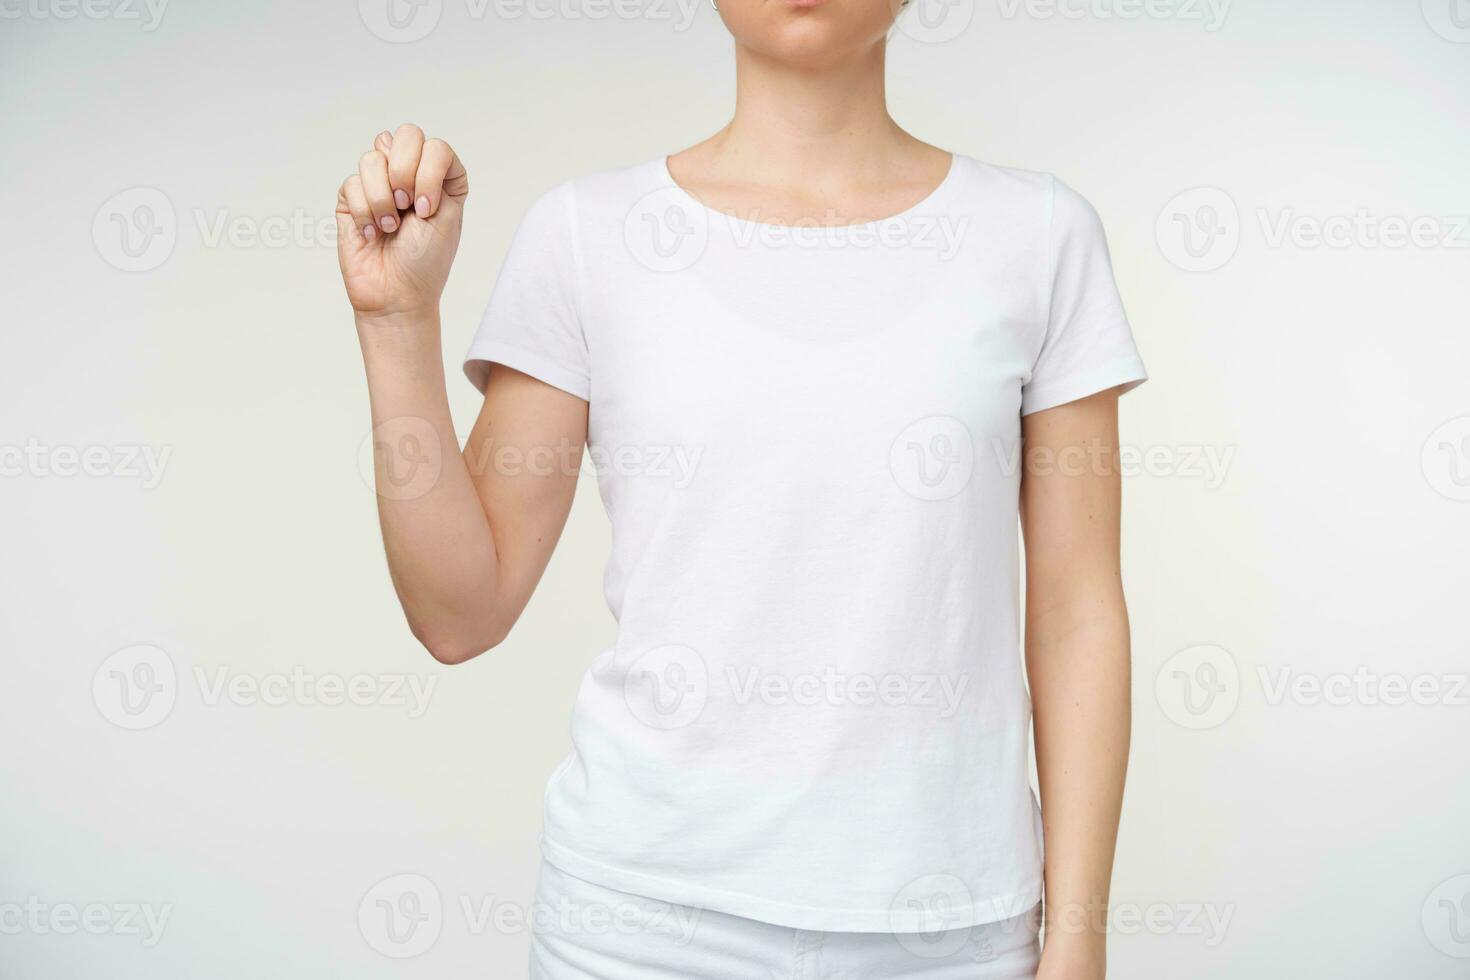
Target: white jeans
583, 931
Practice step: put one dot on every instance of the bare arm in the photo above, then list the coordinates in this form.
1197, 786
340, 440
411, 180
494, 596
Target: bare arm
1077, 658
469, 534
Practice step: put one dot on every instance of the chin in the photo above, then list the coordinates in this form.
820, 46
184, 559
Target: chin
810, 33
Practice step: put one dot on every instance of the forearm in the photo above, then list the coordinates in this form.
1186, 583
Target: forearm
441, 552
1078, 661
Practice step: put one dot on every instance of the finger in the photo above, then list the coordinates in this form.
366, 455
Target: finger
353, 201
440, 176
373, 168
403, 164
383, 142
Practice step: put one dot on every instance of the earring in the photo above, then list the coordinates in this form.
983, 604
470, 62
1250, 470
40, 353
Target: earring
712, 3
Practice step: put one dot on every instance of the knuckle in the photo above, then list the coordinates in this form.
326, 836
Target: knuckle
370, 159
408, 131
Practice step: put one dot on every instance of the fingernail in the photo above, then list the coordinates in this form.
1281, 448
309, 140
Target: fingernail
385, 135
421, 206
400, 198
368, 231
389, 223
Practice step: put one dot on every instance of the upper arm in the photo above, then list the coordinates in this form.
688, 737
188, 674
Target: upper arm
1071, 498
1086, 358
524, 455
1085, 344
530, 357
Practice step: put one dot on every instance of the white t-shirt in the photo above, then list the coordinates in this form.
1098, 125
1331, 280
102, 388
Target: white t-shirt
807, 444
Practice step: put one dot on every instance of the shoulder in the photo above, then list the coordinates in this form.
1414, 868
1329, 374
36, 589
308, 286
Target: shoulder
613, 190
592, 198
1035, 193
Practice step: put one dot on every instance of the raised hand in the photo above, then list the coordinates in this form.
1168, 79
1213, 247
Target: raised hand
398, 224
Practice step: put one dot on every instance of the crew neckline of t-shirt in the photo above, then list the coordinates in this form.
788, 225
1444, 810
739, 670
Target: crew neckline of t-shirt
927, 204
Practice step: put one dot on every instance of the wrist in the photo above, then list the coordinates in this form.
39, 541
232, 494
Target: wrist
410, 318
1077, 931
1074, 956
399, 334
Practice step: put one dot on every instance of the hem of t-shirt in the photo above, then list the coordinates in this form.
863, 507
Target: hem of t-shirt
805, 917
483, 352
1125, 375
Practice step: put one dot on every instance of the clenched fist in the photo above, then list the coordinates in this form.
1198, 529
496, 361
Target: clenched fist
398, 224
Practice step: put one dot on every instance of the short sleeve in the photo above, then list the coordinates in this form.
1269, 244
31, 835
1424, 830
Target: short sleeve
533, 322
1088, 345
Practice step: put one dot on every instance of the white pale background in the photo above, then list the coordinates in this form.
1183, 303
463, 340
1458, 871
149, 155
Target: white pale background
1326, 833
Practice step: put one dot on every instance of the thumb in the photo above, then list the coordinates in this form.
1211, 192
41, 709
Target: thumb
349, 235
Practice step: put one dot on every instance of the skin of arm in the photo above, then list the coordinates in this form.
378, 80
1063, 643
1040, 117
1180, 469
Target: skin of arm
466, 551
466, 555
1078, 666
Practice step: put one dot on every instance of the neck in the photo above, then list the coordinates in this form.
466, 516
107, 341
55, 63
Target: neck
809, 125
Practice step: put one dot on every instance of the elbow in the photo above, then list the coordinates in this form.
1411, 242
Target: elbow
451, 647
